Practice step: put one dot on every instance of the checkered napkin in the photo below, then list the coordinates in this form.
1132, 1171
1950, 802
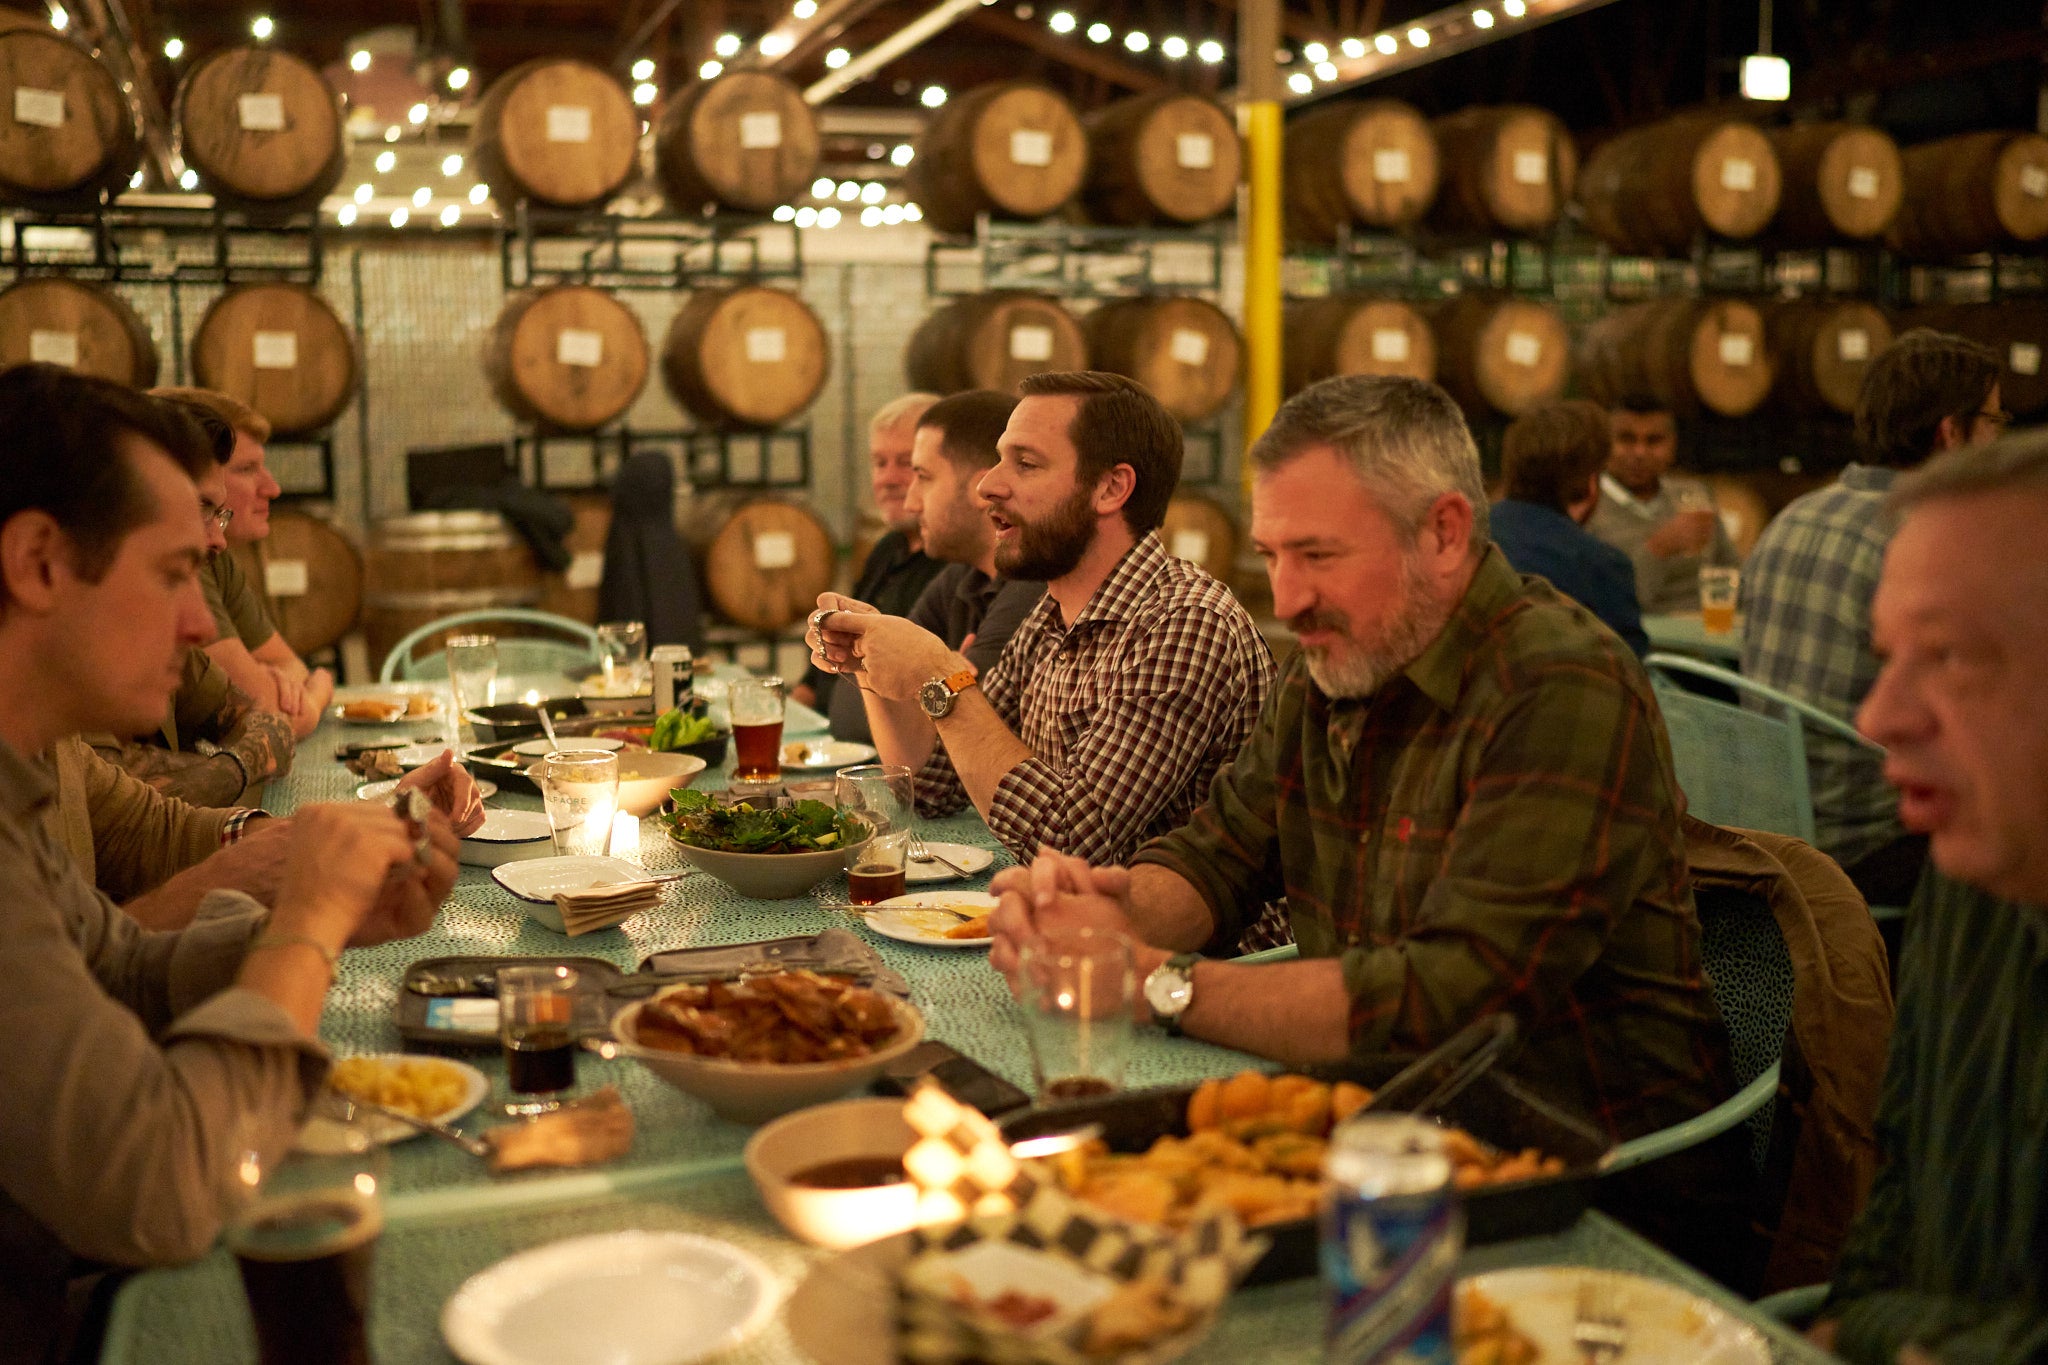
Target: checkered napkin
971, 1190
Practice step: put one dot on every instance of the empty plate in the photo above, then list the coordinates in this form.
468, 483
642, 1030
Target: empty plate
535, 748
542, 879
508, 836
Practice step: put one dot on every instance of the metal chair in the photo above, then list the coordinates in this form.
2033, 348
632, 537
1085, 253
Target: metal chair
516, 654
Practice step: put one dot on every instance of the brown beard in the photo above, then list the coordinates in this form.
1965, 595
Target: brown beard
1051, 547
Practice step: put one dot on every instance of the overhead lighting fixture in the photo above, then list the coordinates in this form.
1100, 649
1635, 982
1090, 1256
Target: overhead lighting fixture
848, 191
871, 216
450, 216
135, 180
1098, 33
1419, 37
804, 9
644, 93
874, 192
359, 60
643, 69
837, 58
385, 161
728, 45
417, 114
1300, 83
1513, 9
1354, 48
174, 48
901, 156
806, 217
422, 197
1482, 18
391, 133
365, 192
828, 218
1386, 44
822, 187
1210, 51
1315, 52
59, 18
784, 214
1062, 21
1174, 48
262, 28
479, 192
345, 215
912, 213
458, 78
933, 96
1765, 77
710, 70
1326, 71
188, 179
892, 214
1136, 41
400, 217
776, 44
451, 164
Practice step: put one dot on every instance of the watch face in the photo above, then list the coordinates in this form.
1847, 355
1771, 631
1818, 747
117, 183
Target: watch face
935, 698
1168, 991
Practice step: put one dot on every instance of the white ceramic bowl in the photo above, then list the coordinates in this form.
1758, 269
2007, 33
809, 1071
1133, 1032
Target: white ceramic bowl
768, 876
811, 1137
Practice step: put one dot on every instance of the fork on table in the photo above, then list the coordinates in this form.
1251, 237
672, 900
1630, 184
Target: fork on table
1597, 1327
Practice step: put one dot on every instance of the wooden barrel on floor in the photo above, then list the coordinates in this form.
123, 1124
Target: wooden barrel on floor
993, 341
744, 141
71, 132
1973, 192
1013, 149
1507, 168
2015, 328
261, 127
1651, 191
282, 350
556, 131
1185, 350
427, 565
1841, 182
1688, 353
1744, 510
573, 591
1500, 354
1369, 162
569, 357
1820, 350
83, 327
763, 559
1200, 529
311, 576
745, 356
1164, 157
1353, 335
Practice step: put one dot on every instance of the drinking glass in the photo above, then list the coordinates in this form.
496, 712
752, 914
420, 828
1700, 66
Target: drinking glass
621, 648
304, 1235
885, 797
581, 789
1720, 585
756, 706
536, 1023
1077, 990
472, 674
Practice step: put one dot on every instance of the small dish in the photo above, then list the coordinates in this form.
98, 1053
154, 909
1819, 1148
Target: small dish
377, 791
904, 919
509, 836
823, 754
323, 1135
1664, 1322
971, 860
836, 1217
541, 748
537, 881
386, 710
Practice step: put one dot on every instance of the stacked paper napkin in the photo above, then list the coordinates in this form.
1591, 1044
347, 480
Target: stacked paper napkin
602, 906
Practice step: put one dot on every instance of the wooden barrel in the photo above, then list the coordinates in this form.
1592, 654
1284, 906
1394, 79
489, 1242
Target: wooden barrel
428, 565
1842, 182
745, 141
1371, 162
1013, 149
993, 341
1688, 353
261, 127
1507, 168
1501, 354
2015, 328
282, 350
67, 131
1348, 335
1166, 157
1652, 191
311, 577
570, 358
745, 356
1820, 349
1744, 510
1185, 350
1200, 529
573, 591
556, 131
83, 327
1974, 192
763, 559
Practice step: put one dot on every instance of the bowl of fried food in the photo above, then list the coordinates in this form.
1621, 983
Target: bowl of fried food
764, 1045
768, 853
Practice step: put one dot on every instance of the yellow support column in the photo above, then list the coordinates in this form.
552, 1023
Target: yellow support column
1259, 123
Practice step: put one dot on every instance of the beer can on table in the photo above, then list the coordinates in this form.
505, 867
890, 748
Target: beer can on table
1392, 1232
673, 684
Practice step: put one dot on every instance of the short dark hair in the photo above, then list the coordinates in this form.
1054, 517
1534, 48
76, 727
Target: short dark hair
969, 425
60, 453
1551, 453
1642, 403
1920, 379
216, 429
1119, 422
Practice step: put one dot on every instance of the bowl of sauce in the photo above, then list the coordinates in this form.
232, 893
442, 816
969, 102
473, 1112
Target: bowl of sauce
833, 1174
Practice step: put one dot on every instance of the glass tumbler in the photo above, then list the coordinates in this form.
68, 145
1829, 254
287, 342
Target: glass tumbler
581, 789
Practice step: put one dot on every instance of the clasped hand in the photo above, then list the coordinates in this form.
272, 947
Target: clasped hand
1057, 894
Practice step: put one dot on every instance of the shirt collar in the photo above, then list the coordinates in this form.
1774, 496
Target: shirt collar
1868, 478
1128, 586
1612, 491
24, 783
1439, 672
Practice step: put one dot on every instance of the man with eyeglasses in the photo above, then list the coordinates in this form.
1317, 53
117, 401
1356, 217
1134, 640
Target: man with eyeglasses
1807, 590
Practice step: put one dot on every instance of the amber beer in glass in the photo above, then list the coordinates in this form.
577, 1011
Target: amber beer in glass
756, 705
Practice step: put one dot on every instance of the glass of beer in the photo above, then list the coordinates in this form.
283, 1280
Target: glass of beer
536, 1023
884, 797
756, 707
305, 1239
1077, 990
1719, 587
581, 789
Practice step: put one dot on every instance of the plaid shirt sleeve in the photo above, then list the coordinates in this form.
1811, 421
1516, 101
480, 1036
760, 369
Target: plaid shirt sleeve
237, 824
940, 791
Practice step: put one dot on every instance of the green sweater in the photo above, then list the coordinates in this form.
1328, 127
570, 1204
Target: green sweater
1951, 1252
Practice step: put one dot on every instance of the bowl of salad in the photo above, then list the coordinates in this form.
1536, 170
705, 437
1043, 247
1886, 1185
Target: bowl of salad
768, 853
690, 730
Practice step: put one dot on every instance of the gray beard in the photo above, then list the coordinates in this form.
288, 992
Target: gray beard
1352, 671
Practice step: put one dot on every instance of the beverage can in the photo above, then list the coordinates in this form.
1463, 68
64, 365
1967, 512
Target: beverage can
1392, 1232
673, 682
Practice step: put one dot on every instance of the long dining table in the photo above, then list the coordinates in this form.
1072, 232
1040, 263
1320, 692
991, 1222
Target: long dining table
447, 1217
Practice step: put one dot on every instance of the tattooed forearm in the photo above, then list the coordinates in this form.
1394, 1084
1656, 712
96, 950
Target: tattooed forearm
199, 779
263, 741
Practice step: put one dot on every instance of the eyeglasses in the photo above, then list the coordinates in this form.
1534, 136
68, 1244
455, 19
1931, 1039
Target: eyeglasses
217, 514
1998, 417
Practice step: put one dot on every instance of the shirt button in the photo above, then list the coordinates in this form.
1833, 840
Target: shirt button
1364, 837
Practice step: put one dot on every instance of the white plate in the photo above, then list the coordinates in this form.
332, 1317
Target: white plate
419, 755
542, 879
432, 713
621, 1298
1664, 1322
970, 858
901, 919
377, 791
509, 836
536, 748
822, 754
323, 1135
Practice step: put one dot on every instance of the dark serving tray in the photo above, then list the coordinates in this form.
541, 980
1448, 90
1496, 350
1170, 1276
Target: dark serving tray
595, 1003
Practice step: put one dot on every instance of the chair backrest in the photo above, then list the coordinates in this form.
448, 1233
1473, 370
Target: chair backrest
525, 653
1737, 767
1750, 972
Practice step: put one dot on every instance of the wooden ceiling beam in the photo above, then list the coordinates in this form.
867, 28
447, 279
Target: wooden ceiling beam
1068, 50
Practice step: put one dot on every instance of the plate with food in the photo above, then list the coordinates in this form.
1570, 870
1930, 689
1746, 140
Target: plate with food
1529, 1313
936, 919
436, 1088
970, 861
377, 791
822, 752
389, 709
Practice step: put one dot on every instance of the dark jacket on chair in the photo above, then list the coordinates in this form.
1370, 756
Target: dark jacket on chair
648, 573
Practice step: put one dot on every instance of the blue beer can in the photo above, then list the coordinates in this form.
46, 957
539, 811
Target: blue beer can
1392, 1232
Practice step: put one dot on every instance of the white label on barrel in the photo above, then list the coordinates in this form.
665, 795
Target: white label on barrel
277, 350
1390, 345
1738, 174
1862, 182
1390, 165
1525, 348
260, 113
2024, 358
577, 346
1190, 544
54, 348
1188, 346
774, 550
43, 108
1031, 343
568, 123
1194, 151
1853, 344
285, 578
1030, 147
1737, 348
761, 130
586, 569
2034, 182
767, 345
1531, 168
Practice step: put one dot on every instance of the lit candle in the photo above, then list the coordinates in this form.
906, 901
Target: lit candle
532, 697
626, 837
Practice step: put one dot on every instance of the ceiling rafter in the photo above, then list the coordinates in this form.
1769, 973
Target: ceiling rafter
1106, 66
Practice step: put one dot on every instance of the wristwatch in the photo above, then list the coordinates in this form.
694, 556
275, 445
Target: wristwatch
938, 695
1170, 989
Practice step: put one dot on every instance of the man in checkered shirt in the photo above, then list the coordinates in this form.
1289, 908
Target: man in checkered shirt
1134, 680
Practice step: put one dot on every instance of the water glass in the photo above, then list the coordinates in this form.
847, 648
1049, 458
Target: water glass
1720, 586
1077, 990
884, 797
472, 669
756, 705
537, 1025
621, 648
581, 788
